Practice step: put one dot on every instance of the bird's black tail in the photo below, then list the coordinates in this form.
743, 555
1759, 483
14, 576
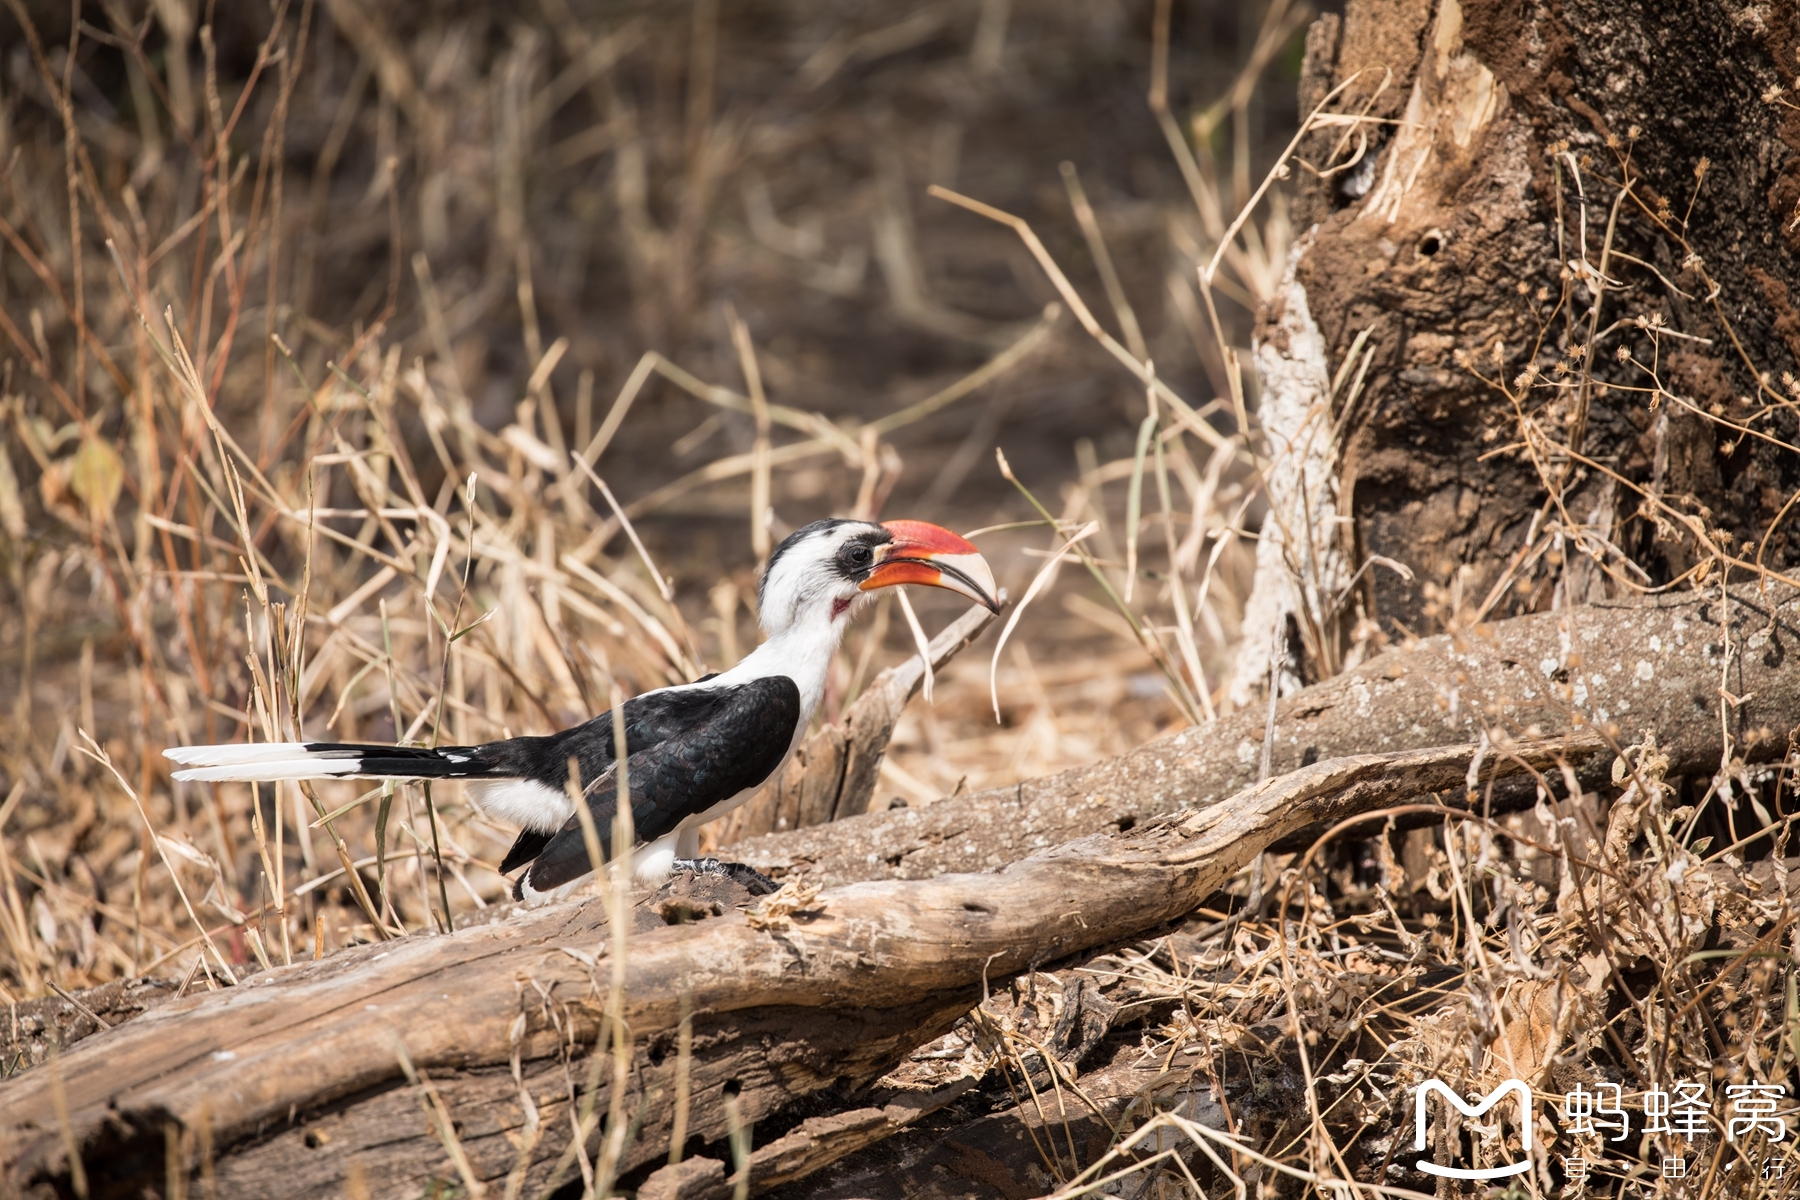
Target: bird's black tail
265, 762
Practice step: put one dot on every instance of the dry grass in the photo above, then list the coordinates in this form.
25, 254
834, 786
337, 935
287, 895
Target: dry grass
1624, 951
250, 487
1619, 948
1590, 946
225, 514
1568, 557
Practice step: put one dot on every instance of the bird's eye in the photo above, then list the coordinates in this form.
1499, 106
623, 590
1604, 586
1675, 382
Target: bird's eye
856, 555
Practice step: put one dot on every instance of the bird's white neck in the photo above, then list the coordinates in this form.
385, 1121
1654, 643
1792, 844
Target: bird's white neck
802, 651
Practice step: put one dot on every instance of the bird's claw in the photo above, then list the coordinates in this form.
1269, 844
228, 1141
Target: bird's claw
746, 876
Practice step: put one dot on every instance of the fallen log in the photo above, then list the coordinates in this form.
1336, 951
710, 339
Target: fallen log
289, 1084
294, 1080
1658, 665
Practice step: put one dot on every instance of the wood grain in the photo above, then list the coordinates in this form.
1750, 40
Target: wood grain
1657, 666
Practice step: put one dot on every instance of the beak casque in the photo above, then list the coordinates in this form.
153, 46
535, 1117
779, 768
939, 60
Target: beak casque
933, 556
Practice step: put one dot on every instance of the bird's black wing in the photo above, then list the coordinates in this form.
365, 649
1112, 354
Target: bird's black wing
721, 742
527, 846
650, 720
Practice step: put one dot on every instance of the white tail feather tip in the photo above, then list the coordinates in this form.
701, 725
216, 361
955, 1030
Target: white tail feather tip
270, 772
238, 754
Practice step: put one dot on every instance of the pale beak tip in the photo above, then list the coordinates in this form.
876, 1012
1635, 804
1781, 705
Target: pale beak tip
929, 554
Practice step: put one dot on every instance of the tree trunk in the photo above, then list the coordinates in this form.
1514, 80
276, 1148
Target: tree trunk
1550, 174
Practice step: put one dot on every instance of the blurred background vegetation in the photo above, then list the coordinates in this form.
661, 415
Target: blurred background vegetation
277, 281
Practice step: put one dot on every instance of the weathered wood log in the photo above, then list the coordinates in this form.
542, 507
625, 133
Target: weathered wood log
1007, 1149
1657, 666
833, 775
33, 1030
295, 1079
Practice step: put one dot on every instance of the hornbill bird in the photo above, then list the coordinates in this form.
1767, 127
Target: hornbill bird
696, 750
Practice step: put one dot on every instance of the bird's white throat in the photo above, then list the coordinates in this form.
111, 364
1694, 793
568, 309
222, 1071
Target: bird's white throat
802, 650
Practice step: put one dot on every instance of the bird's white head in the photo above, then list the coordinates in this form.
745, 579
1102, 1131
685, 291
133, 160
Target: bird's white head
819, 575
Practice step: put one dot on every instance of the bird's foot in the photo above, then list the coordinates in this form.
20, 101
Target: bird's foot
748, 877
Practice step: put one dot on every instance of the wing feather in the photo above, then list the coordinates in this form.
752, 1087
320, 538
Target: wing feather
732, 745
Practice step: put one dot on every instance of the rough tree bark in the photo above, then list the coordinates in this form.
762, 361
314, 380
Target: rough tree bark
1475, 225
1656, 666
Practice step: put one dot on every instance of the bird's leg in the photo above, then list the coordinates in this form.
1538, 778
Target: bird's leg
752, 880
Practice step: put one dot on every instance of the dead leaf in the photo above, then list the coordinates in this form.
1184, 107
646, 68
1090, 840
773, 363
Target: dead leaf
1529, 1019
774, 912
96, 474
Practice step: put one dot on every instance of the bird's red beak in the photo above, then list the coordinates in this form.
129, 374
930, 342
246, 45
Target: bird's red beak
935, 557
